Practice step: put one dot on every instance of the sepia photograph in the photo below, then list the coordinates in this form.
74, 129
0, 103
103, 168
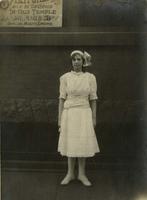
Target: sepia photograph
73, 99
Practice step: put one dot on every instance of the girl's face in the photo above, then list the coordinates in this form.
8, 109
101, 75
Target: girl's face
77, 63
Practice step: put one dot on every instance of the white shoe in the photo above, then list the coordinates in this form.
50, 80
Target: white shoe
67, 179
84, 180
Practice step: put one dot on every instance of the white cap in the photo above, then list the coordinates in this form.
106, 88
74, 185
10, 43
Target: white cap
87, 58
76, 52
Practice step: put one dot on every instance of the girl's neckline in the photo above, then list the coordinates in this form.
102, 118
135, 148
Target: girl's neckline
77, 73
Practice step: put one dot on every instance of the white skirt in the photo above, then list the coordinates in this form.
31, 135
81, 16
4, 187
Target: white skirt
77, 137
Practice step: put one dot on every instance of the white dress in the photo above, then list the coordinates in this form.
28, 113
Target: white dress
77, 136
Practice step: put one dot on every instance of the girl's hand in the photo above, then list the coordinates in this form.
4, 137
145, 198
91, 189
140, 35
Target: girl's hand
59, 129
59, 126
94, 122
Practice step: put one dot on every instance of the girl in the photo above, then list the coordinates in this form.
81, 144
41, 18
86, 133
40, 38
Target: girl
77, 116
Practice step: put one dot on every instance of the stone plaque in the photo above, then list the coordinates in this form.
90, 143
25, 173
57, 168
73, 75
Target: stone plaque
30, 13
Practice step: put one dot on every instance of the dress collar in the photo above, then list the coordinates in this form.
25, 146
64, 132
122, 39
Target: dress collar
77, 73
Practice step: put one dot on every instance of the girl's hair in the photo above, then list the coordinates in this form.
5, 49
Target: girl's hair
83, 68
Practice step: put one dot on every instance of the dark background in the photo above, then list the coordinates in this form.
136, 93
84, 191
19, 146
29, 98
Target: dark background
33, 59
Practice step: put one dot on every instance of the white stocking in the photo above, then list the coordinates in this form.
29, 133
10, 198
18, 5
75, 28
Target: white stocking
70, 173
82, 176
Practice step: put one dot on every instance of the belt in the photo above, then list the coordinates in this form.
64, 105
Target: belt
76, 102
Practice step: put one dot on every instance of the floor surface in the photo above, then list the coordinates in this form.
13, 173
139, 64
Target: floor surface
45, 185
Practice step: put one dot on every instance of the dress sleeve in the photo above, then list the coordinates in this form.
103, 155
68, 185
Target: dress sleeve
93, 88
62, 88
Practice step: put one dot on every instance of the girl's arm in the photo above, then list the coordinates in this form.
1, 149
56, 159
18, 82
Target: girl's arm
60, 109
93, 106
